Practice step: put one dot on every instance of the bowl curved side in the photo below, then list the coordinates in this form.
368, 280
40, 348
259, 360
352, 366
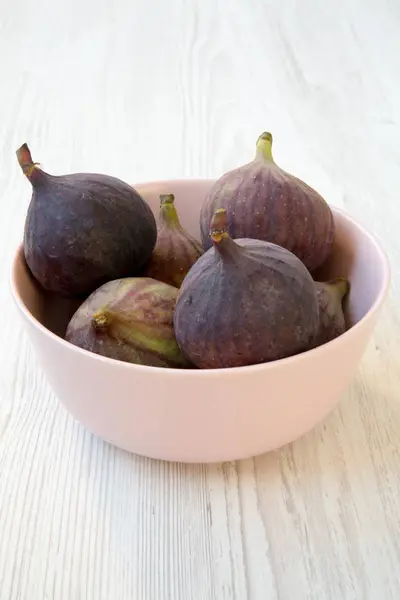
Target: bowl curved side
204, 417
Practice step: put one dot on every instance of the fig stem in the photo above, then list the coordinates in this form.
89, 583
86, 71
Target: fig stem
101, 320
219, 226
167, 199
25, 160
264, 147
220, 237
168, 213
341, 285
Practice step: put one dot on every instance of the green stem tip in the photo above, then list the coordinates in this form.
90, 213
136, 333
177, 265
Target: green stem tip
101, 320
168, 212
341, 285
166, 199
219, 226
264, 146
25, 160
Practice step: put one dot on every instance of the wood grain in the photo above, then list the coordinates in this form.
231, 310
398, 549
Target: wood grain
148, 90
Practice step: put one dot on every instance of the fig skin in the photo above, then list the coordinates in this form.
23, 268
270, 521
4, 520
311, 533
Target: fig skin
131, 320
175, 251
83, 229
245, 302
332, 322
265, 202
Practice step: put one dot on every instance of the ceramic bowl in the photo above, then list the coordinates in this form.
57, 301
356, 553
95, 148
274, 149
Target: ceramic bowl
207, 415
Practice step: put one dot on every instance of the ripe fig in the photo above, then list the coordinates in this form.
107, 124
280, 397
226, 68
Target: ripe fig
245, 302
176, 251
129, 319
83, 229
332, 321
265, 202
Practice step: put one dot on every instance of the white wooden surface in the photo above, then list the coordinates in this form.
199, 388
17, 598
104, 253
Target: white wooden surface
156, 89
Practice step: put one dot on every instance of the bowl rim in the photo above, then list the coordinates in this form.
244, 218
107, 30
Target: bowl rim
245, 370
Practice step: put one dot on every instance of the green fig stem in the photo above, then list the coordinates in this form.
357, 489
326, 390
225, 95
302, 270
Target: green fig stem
264, 147
219, 226
101, 320
341, 285
25, 161
168, 213
220, 236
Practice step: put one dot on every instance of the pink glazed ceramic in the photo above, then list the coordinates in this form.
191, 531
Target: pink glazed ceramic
215, 415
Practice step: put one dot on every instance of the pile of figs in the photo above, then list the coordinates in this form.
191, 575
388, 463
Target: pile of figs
245, 293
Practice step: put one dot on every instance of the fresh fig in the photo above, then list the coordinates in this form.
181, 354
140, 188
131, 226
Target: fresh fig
83, 229
129, 319
332, 322
176, 251
265, 202
245, 302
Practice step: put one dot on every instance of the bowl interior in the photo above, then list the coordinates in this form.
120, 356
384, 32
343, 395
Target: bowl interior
356, 255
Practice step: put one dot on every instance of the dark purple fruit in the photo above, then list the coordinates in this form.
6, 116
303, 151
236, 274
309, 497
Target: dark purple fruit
176, 251
83, 229
332, 321
264, 202
131, 320
245, 302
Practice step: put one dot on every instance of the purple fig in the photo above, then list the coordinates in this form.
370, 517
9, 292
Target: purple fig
245, 302
265, 202
332, 321
131, 320
176, 251
83, 229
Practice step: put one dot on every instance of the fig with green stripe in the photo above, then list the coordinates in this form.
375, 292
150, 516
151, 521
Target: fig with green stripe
130, 320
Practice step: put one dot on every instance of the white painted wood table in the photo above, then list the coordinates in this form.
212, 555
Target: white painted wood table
149, 90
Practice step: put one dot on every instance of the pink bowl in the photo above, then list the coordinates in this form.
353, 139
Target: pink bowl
215, 415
